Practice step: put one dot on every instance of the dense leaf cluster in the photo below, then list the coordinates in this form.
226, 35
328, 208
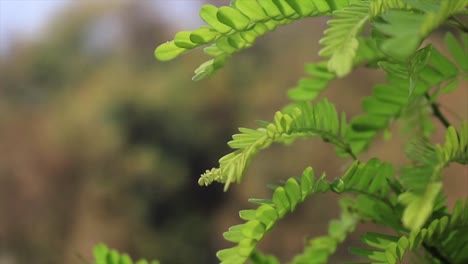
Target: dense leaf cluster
383, 34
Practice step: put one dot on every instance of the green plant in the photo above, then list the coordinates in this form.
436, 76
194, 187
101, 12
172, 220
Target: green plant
104, 255
378, 34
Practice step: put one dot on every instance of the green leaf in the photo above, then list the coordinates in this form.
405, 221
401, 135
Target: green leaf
203, 35
442, 64
420, 59
237, 41
340, 41
449, 87
204, 70
370, 254
281, 201
377, 240
230, 254
258, 258
104, 255
338, 186
261, 201
300, 121
209, 14
168, 51
285, 9
234, 234
374, 106
270, 9
182, 40
113, 257
125, 259
247, 215
245, 247
402, 27
233, 18
250, 36
267, 215
341, 62
307, 181
325, 6
251, 9
225, 45
100, 253
369, 122
213, 51
396, 69
293, 191
388, 94
303, 7
419, 208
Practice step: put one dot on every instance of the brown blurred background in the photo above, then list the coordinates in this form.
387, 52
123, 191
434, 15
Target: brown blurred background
99, 142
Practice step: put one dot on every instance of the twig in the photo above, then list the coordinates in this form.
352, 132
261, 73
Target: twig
436, 111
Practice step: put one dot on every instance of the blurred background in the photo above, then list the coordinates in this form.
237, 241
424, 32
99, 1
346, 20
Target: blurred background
99, 142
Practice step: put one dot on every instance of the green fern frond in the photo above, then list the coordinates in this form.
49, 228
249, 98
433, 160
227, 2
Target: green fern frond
455, 148
406, 95
424, 181
232, 28
104, 255
437, 16
310, 88
378, 7
446, 238
318, 250
368, 180
419, 205
341, 38
373, 183
305, 120
406, 29
459, 51
263, 219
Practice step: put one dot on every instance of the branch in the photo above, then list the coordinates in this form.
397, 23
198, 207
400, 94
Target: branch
436, 112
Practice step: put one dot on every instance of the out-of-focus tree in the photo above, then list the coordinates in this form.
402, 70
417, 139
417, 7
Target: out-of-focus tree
93, 143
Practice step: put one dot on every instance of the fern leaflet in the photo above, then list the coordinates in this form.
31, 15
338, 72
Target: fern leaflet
407, 29
304, 120
368, 180
378, 7
233, 28
408, 88
424, 181
262, 220
446, 238
318, 250
104, 255
341, 38
309, 88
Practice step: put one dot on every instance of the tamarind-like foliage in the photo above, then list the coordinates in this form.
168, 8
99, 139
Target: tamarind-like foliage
382, 34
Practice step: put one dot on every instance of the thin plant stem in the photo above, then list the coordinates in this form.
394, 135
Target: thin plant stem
437, 113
